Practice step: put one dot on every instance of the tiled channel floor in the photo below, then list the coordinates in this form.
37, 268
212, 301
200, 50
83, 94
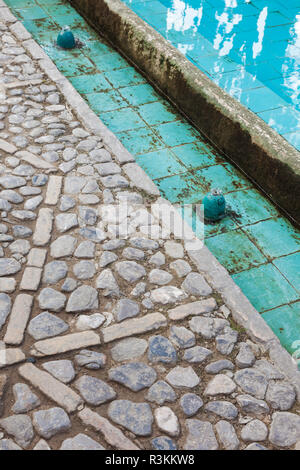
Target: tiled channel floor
250, 48
256, 244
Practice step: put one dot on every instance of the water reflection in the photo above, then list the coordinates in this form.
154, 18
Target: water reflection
250, 48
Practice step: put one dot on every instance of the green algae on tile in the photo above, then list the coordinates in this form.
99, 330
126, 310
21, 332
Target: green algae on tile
265, 287
275, 237
196, 155
137, 95
285, 323
140, 141
122, 120
235, 251
160, 164
289, 266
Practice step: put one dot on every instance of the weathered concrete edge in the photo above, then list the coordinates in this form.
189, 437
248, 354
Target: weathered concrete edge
249, 142
218, 277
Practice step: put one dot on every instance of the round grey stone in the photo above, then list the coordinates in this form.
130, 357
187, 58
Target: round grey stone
128, 348
82, 299
51, 299
135, 376
161, 350
161, 392
281, 396
54, 272
225, 409
46, 325
50, 422
136, 417
130, 271
84, 269
190, 404
94, 391
62, 370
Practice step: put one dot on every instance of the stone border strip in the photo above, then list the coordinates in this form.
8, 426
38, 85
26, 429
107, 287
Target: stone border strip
246, 139
242, 310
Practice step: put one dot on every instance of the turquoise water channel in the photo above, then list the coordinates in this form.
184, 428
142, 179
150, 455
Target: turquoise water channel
259, 247
250, 48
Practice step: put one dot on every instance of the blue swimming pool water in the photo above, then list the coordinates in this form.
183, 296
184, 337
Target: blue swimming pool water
251, 49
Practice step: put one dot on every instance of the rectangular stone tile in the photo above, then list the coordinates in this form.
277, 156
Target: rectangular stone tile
111, 434
43, 227
7, 147
52, 388
53, 190
134, 326
11, 356
31, 279
18, 319
65, 343
37, 257
193, 308
34, 160
7, 284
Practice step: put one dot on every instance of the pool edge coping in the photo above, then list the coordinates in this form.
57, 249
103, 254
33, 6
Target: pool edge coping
217, 276
271, 161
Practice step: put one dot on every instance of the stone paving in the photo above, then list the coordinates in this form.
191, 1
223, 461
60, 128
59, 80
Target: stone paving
110, 342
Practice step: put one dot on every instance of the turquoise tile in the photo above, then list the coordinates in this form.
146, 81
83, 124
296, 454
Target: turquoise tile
283, 120
261, 99
218, 176
90, 83
19, 4
157, 113
235, 251
108, 62
265, 287
72, 19
180, 188
196, 155
228, 224
96, 49
285, 322
176, 133
57, 53
249, 206
289, 266
275, 237
160, 164
75, 66
42, 30
124, 77
31, 13
122, 120
139, 141
105, 101
293, 139
139, 94
58, 9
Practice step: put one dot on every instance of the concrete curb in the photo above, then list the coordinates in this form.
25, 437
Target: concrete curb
247, 140
242, 310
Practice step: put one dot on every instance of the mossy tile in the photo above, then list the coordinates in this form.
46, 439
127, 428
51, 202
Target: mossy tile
97, 49
140, 141
195, 155
275, 237
31, 13
157, 113
122, 120
90, 83
248, 206
42, 30
176, 133
137, 95
75, 66
265, 287
179, 188
160, 164
108, 62
285, 323
235, 251
124, 77
105, 101
218, 176
289, 266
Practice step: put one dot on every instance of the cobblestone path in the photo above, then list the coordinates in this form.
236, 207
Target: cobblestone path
111, 342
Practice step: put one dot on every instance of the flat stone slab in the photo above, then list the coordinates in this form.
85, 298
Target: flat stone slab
18, 319
135, 376
113, 436
81, 442
136, 417
134, 326
65, 343
193, 308
94, 391
52, 388
50, 422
